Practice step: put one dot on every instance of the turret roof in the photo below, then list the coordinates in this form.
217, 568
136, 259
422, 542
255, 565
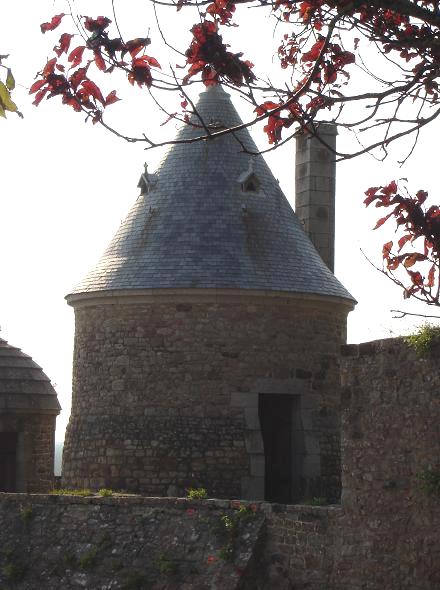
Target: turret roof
213, 216
23, 385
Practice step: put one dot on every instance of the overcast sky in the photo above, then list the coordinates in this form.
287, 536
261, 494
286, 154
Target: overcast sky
66, 186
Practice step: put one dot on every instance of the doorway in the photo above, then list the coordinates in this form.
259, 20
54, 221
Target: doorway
283, 440
8, 461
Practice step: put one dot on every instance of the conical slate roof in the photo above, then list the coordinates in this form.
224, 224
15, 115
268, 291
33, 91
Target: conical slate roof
23, 385
198, 225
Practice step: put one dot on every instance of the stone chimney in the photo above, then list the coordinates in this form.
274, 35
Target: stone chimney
315, 189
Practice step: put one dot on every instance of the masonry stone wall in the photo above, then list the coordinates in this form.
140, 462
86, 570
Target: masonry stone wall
165, 392
390, 435
384, 536
125, 543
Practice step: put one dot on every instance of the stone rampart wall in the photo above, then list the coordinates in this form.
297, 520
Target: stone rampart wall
390, 436
130, 543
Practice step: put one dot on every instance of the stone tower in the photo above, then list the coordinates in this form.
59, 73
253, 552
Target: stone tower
315, 176
207, 336
28, 411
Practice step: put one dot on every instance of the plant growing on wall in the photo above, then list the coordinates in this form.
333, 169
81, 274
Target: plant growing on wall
196, 493
424, 340
429, 481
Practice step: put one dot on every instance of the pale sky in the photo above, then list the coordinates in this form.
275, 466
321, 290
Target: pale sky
66, 186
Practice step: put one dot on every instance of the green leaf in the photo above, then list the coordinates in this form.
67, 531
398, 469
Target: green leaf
5, 99
2, 112
10, 81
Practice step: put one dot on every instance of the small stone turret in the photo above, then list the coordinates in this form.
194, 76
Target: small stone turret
28, 410
315, 176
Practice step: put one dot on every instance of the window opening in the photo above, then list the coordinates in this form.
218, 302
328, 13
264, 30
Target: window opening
8, 461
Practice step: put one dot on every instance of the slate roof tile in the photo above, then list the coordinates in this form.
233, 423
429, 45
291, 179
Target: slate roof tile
190, 230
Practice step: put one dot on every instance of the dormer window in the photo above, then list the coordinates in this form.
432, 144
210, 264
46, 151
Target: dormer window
251, 184
249, 181
146, 181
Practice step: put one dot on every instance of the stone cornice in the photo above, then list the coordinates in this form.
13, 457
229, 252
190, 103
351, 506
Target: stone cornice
131, 296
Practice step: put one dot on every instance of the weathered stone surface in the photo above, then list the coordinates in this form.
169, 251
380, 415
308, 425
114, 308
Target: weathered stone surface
165, 392
390, 434
129, 543
36, 444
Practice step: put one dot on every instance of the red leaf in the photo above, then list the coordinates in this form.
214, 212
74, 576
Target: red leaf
145, 61
153, 62
36, 86
386, 249
56, 20
382, 220
64, 44
416, 277
390, 189
273, 128
403, 241
431, 276
39, 96
371, 195
76, 56
393, 263
314, 52
99, 60
184, 104
49, 67
111, 98
98, 24
141, 75
209, 77
412, 259
427, 245
134, 46
266, 106
73, 102
77, 77
421, 196
90, 88
433, 212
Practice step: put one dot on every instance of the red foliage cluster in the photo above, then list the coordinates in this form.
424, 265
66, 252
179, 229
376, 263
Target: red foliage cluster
420, 227
223, 10
315, 54
209, 55
324, 61
321, 64
73, 84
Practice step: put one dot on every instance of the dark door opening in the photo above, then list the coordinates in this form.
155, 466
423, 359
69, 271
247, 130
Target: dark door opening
283, 449
8, 461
